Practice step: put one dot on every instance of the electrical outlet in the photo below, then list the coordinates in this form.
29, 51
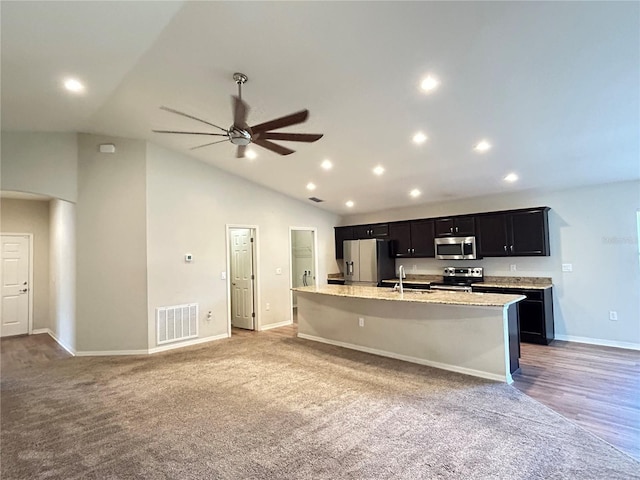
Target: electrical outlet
512, 267
223, 275
361, 321
613, 316
278, 271
210, 315
567, 267
268, 306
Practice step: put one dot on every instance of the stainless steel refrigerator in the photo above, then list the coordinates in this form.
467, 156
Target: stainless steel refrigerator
367, 262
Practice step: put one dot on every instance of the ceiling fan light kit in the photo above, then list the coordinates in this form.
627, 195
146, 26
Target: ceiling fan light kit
241, 134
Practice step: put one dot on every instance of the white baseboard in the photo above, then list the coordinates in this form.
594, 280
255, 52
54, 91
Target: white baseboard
196, 341
598, 341
109, 353
275, 325
406, 358
150, 351
49, 332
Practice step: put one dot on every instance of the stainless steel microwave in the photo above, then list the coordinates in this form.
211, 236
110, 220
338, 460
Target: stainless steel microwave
456, 248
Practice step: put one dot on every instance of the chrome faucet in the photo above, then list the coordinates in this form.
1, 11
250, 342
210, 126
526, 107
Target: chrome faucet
401, 274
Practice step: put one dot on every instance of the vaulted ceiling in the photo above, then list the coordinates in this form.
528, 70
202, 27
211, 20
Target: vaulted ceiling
554, 87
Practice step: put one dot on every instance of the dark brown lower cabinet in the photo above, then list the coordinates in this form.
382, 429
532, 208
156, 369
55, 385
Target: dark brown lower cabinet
535, 313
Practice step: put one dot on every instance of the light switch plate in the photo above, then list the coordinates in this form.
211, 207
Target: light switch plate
223, 275
278, 271
567, 267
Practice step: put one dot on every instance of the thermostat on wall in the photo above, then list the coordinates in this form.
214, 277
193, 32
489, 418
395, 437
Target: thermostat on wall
107, 148
188, 257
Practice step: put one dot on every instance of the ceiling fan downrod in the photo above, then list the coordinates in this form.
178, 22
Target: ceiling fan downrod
240, 79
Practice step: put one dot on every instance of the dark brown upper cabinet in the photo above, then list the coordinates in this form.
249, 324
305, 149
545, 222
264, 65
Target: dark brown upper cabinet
342, 234
455, 226
376, 230
514, 233
412, 238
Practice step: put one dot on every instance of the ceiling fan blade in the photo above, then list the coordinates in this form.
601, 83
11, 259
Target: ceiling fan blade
240, 111
191, 133
274, 147
207, 144
281, 122
191, 117
291, 137
241, 150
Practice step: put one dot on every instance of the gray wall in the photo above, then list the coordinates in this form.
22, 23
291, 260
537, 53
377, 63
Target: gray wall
593, 228
189, 204
32, 216
111, 246
42, 163
62, 272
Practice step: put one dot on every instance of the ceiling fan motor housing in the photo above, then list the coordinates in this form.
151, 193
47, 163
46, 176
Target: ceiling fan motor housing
238, 136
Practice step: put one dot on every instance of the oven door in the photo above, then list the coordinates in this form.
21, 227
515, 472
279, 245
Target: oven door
456, 248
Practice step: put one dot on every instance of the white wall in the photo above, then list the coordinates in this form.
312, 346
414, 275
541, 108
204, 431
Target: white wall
111, 246
42, 163
62, 272
189, 204
32, 216
593, 228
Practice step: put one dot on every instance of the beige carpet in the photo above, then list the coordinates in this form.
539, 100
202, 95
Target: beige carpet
265, 407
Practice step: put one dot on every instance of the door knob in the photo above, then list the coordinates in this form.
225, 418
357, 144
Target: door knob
24, 290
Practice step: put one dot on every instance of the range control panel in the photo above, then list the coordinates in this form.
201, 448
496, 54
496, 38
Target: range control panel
474, 272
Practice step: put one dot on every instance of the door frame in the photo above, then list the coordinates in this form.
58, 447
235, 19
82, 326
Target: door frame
256, 283
315, 263
30, 238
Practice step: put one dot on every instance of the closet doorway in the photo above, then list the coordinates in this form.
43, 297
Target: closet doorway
242, 278
303, 262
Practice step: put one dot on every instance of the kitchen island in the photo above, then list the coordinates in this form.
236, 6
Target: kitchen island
470, 333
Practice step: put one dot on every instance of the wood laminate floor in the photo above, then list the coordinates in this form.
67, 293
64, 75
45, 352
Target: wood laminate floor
597, 388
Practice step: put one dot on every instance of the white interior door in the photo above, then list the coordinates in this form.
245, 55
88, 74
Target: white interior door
15, 285
242, 279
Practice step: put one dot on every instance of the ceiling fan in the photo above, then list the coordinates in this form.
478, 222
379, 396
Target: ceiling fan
241, 134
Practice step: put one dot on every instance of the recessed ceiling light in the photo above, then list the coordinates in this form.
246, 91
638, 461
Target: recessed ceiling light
349, 203
326, 164
73, 85
250, 154
415, 193
512, 177
419, 138
429, 83
379, 170
482, 146
311, 186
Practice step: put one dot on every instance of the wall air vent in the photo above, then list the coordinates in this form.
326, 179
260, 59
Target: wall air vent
316, 199
178, 322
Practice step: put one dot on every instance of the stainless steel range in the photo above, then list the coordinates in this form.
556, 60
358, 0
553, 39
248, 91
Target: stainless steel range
459, 278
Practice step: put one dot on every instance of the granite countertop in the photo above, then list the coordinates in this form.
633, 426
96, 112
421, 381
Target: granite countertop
426, 296
528, 283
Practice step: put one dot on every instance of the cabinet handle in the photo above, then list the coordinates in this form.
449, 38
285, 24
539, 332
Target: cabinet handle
511, 247
451, 229
413, 250
505, 248
457, 229
408, 250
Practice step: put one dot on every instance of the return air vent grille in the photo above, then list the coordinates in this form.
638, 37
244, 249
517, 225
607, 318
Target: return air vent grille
316, 199
178, 322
